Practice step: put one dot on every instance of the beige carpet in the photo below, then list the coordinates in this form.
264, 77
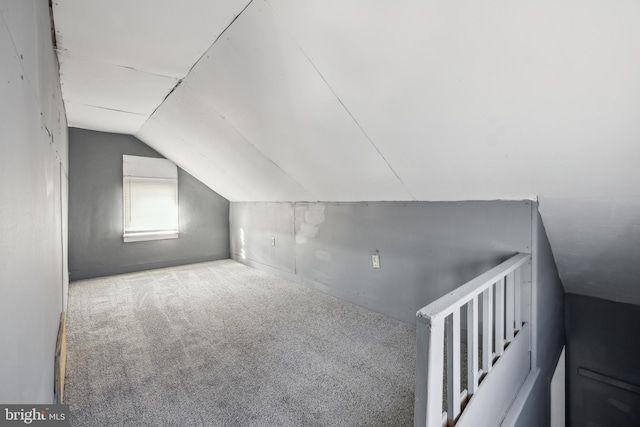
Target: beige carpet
221, 344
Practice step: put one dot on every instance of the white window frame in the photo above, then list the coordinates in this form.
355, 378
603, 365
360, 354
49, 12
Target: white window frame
137, 168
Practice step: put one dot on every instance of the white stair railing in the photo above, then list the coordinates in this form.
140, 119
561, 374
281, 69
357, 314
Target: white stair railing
499, 291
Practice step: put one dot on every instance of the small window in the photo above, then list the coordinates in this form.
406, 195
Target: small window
150, 198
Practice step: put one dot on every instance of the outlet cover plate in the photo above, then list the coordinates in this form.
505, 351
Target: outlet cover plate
375, 260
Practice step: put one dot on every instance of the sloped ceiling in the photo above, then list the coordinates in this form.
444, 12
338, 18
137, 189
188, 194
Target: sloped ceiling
285, 100
120, 59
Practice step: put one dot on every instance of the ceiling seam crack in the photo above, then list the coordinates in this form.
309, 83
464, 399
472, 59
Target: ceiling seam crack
196, 63
64, 50
105, 108
216, 112
342, 103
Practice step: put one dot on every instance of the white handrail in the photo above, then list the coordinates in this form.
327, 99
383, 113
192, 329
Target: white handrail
501, 320
463, 294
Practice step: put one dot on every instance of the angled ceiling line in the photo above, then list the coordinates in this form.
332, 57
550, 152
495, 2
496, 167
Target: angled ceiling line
181, 164
128, 67
218, 38
161, 102
395, 173
104, 108
196, 62
244, 138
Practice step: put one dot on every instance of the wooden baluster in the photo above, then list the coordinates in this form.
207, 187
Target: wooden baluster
453, 366
510, 306
487, 330
472, 346
499, 309
517, 312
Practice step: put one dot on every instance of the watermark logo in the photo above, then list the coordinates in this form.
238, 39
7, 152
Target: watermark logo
34, 415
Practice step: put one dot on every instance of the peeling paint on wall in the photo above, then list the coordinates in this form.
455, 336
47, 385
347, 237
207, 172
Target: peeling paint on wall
313, 217
428, 248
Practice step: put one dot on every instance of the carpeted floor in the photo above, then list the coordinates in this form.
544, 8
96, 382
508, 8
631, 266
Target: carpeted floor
221, 344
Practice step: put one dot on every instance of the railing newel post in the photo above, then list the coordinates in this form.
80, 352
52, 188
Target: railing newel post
429, 372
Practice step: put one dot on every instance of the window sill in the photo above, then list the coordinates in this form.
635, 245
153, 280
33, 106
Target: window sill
150, 235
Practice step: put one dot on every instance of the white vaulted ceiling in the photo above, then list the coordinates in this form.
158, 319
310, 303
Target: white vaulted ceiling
334, 100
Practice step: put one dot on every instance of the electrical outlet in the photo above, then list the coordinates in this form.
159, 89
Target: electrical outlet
375, 260
273, 240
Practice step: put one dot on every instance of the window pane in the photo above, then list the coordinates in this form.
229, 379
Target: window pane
150, 204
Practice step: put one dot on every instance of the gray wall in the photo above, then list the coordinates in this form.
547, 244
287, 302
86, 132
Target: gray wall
603, 337
33, 180
426, 248
96, 247
596, 243
549, 328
